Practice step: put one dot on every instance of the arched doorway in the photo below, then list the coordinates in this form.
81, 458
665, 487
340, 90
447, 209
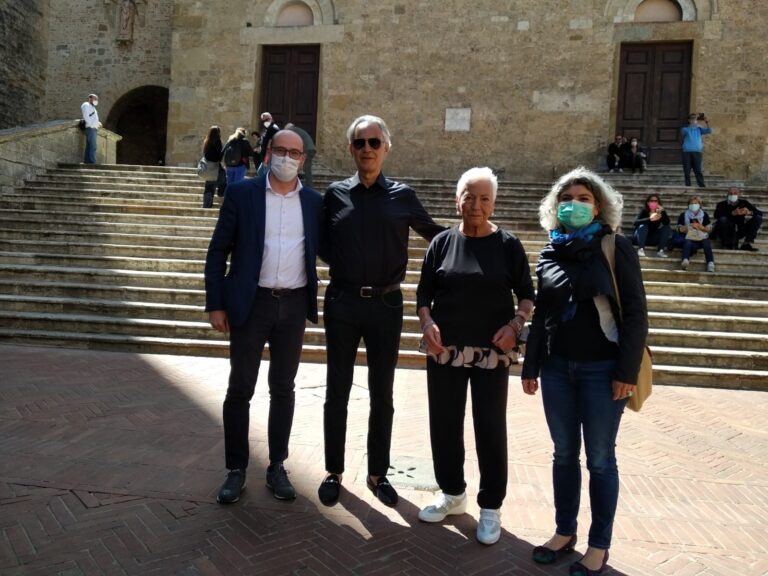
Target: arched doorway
141, 118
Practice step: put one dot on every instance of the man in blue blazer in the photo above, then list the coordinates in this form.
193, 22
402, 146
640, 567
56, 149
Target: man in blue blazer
269, 227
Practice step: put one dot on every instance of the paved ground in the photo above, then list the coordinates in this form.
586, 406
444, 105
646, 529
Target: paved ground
109, 464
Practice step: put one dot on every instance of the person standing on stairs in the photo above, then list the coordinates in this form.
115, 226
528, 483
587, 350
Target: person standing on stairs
269, 228
92, 125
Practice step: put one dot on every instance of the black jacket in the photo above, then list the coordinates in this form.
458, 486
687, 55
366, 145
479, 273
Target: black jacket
581, 272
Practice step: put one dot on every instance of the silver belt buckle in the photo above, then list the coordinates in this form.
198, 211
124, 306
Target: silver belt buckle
366, 291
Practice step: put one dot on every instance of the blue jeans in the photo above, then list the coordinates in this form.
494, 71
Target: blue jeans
235, 174
690, 247
578, 397
660, 236
90, 145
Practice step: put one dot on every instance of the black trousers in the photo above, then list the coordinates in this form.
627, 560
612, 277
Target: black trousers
447, 392
693, 160
281, 322
378, 321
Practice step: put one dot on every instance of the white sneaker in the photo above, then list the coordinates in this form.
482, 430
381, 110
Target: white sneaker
641, 252
444, 505
684, 264
710, 266
662, 254
489, 526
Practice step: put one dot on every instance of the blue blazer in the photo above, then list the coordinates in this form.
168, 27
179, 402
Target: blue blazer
240, 233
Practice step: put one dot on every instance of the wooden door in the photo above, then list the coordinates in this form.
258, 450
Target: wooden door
289, 85
654, 97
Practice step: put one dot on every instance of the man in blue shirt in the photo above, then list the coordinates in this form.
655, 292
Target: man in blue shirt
693, 147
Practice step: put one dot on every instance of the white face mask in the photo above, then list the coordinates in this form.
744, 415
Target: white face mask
267, 123
284, 168
733, 198
95, 102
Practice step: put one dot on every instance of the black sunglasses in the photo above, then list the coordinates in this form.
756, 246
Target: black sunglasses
359, 143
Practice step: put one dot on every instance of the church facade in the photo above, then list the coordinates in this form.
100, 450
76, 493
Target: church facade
528, 88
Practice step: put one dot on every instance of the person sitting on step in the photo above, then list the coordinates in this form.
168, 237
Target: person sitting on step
737, 218
694, 224
652, 225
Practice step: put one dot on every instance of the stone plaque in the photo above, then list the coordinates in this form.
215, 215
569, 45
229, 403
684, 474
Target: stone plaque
457, 119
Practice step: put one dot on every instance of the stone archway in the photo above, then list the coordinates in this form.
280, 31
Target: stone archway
140, 116
692, 10
323, 11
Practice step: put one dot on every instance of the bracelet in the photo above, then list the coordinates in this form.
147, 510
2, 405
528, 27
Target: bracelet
427, 324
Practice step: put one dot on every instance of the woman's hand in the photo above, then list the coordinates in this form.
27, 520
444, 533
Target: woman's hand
622, 390
655, 216
530, 385
505, 338
432, 337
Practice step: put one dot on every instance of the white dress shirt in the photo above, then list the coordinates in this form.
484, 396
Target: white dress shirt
282, 263
90, 115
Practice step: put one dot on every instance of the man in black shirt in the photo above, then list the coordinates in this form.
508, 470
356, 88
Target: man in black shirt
366, 220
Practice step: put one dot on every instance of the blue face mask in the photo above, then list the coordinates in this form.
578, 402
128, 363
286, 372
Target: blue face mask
574, 214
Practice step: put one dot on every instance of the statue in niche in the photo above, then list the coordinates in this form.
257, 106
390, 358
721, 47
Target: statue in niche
126, 16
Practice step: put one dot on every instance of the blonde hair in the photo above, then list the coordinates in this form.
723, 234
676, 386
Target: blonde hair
609, 200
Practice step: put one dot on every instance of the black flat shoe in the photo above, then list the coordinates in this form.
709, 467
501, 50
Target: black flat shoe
233, 486
544, 555
383, 490
578, 569
329, 490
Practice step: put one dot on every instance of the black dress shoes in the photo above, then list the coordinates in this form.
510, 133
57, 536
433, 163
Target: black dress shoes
233, 486
277, 481
383, 490
329, 490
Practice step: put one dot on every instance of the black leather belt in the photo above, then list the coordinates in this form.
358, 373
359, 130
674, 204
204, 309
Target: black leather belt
280, 292
366, 291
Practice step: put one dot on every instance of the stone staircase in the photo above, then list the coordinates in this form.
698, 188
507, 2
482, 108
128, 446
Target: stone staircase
111, 257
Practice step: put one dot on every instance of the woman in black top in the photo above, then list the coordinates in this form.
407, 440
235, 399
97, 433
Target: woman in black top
652, 227
587, 353
470, 327
212, 153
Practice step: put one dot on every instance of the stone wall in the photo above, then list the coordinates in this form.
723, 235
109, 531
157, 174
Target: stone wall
30, 150
86, 54
539, 79
23, 61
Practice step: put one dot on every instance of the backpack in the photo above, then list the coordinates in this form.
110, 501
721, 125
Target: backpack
232, 155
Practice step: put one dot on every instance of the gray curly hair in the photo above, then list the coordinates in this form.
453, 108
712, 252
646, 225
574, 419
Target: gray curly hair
608, 199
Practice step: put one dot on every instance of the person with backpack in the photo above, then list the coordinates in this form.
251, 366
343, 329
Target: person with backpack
237, 152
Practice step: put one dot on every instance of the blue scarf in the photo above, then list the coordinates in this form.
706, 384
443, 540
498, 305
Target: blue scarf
558, 236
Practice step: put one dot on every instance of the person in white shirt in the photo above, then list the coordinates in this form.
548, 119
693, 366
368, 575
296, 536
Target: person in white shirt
92, 125
269, 227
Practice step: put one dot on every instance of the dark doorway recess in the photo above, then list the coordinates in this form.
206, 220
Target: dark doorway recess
289, 85
654, 96
141, 118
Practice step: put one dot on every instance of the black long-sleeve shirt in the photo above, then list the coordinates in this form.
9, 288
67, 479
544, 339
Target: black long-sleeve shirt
366, 230
467, 282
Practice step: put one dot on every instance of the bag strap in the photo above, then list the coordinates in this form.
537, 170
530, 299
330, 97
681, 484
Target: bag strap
608, 244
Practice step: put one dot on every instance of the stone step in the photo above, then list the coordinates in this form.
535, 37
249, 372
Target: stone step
663, 309
726, 274
112, 208
34, 326
92, 192
752, 332
110, 169
26, 273
23, 220
85, 216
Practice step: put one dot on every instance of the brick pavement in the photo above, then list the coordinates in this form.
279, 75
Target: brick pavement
109, 464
